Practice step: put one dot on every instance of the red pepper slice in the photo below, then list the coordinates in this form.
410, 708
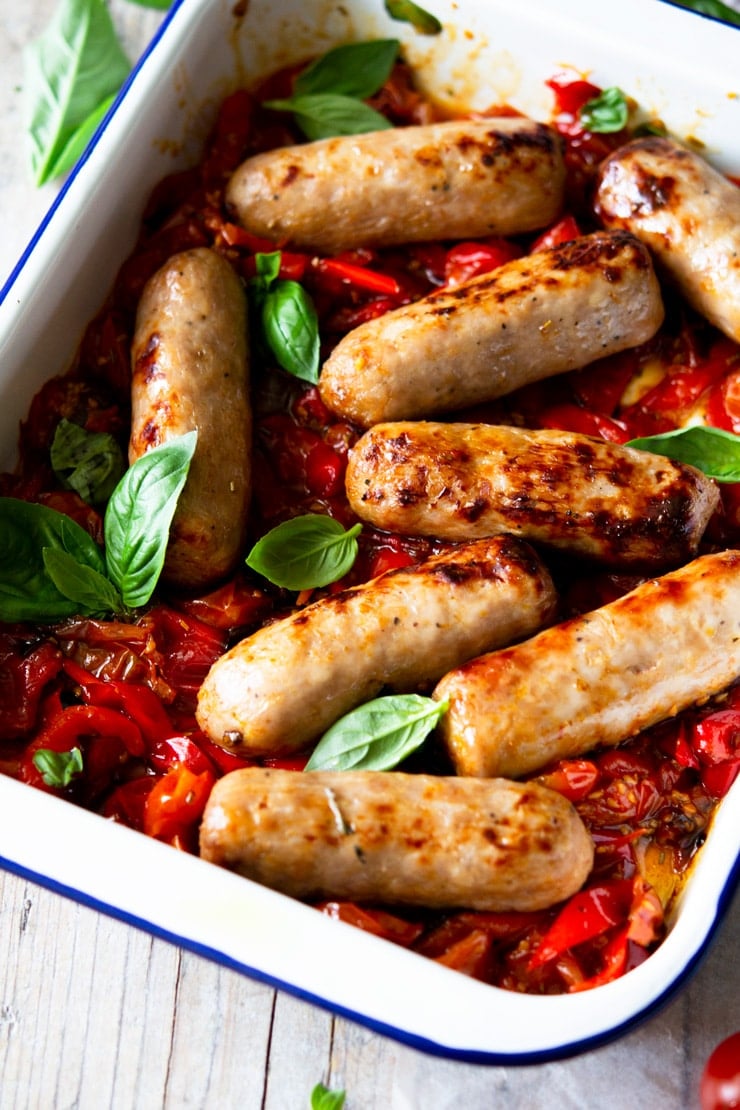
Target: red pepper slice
564, 231
587, 914
469, 259
379, 922
176, 802
23, 679
359, 276
720, 776
572, 418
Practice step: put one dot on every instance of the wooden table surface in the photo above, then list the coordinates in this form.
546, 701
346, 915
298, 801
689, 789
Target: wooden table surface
97, 1014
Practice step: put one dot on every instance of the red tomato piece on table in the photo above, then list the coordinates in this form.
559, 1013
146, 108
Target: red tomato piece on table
719, 1088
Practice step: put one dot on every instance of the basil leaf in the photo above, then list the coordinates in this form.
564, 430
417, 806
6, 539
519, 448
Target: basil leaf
408, 12
268, 270
378, 735
306, 552
162, 5
139, 514
323, 115
357, 69
711, 450
71, 71
91, 591
324, 1099
58, 768
291, 329
605, 113
27, 592
90, 463
713, 8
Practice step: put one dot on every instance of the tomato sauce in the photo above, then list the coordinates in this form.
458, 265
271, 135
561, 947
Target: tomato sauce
124, 692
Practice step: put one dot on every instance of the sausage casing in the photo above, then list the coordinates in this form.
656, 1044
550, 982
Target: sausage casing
282, 687
600, 500
190, 371
687, 213
600, 678
394, 838
451, 180
534, 317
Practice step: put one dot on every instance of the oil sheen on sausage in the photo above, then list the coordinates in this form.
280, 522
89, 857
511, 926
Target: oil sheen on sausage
532, 318
600, 500
282, 687
452, 180
395, 838
190, 371
600, 678
687, 213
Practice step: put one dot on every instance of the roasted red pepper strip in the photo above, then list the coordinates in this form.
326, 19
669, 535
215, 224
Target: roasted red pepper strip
176, 802
359, 276
586, 915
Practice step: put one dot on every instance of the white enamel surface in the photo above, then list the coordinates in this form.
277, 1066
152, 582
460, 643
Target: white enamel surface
684, 68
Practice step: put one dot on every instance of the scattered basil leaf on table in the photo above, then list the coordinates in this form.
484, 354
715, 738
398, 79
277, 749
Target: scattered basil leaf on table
90, 463
91, 590
355, 69
406, 11
714, 8
58, 768
322, 1098
329, 94
378, 735
713, 451
139, 514
605, 113
287, 319
161, 5
306, 552
27, 532
72, 72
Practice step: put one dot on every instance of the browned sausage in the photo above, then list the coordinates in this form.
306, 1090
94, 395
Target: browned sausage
394, 838
283, 686
687, 213
600, 500
453, 180
534, 317
600, 678
190, 371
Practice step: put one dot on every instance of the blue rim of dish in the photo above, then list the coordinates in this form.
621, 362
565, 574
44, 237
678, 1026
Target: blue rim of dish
95, 139
412, 1040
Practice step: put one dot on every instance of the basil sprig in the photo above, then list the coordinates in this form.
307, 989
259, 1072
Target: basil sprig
378, 735
322, 1098
713, 8
58, 768
713, 451
90, 463
406, 11
328, 96
51, 568
72, 72
287, 319
306, 552
605, 113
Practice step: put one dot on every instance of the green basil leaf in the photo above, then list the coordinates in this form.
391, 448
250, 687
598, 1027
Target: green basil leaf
357, 69
605, 113
91, 591
268, 269
78, 140
377, 736
713, 8
713, 451
139, 515
406, 11
306, 552
161, 5
291, 329
90, 463
26, 590
58, 768
324, 1099
71, 70
323, 115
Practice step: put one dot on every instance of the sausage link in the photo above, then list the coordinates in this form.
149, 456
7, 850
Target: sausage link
600, 678
689, 216
190, 364
283, 686
453, 180
394, 838
600, 500
552, 311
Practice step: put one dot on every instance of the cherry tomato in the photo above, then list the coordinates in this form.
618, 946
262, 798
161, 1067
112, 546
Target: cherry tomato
719, 1088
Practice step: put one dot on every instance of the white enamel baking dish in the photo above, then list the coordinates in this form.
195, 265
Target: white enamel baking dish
678, 64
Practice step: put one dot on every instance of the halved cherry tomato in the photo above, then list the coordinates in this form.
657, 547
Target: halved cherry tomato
565, 230
573, 778
469, 259
719, 1087
176, 802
